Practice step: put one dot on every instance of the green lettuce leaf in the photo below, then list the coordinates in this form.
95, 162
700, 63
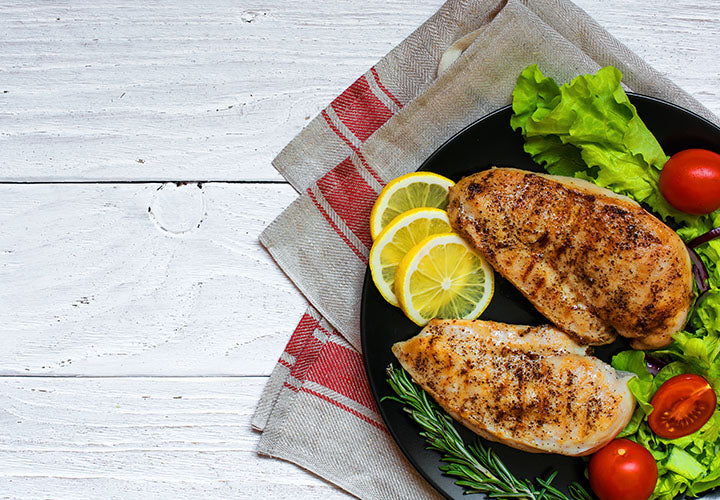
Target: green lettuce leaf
590, 129
699, 351
681, 462
669, 486
641, 386
710, 480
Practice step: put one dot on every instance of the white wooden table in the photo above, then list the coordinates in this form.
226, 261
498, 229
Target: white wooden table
140, 316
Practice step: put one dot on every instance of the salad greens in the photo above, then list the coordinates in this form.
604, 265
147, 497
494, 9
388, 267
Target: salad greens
589, 129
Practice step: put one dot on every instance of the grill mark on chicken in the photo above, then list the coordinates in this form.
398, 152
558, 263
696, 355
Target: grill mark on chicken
589, 260
532, 388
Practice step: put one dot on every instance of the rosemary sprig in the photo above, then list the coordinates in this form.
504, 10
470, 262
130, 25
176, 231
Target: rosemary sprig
477, 468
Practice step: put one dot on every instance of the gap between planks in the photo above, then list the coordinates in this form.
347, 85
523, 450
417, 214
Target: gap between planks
145, 279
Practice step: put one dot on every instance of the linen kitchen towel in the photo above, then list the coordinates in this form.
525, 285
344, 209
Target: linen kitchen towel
324, 419
333, 213
316, 408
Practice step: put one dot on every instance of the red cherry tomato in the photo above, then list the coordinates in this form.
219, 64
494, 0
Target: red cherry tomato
681, 406
623, 470
690, 181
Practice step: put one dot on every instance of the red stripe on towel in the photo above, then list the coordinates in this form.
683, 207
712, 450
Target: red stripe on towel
384, 89
344, 407
350, 197
304, 330
352, 146
291, 387
340, 369
360, 110
339, 232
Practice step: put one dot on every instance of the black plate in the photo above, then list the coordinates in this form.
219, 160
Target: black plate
491, 142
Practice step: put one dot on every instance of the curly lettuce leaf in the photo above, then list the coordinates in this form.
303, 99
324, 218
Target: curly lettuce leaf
641, 385
590, 129
699, 352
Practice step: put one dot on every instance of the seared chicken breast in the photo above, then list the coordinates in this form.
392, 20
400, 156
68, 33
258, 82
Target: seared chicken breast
594, 263
532, 388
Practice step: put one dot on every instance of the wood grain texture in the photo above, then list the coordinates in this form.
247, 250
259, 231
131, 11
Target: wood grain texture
675, 37
142, 279
208, 90
140, 438
213, 90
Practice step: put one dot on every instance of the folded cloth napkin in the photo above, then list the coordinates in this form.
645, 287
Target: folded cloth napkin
317, 410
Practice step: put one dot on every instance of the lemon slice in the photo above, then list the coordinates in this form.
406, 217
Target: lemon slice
442, 277
402, 234
414, 190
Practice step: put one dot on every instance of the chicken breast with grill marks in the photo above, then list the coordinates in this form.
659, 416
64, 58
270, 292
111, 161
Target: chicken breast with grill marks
532, 388
594, 263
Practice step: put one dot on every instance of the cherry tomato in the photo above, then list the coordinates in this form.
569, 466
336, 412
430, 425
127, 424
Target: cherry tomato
690, 181
681, 406
623, 470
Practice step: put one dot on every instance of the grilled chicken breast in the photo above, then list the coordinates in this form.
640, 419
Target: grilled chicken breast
591, 261
532, 388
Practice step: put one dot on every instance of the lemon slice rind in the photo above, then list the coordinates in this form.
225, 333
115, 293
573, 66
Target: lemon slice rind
396, 239
419, 281
396, 197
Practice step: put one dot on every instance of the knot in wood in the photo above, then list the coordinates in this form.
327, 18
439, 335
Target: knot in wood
178, 208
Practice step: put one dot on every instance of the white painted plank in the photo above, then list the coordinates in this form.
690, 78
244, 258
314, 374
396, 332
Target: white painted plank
213, 90
95, 284
140, 438
196, 90
679, 38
